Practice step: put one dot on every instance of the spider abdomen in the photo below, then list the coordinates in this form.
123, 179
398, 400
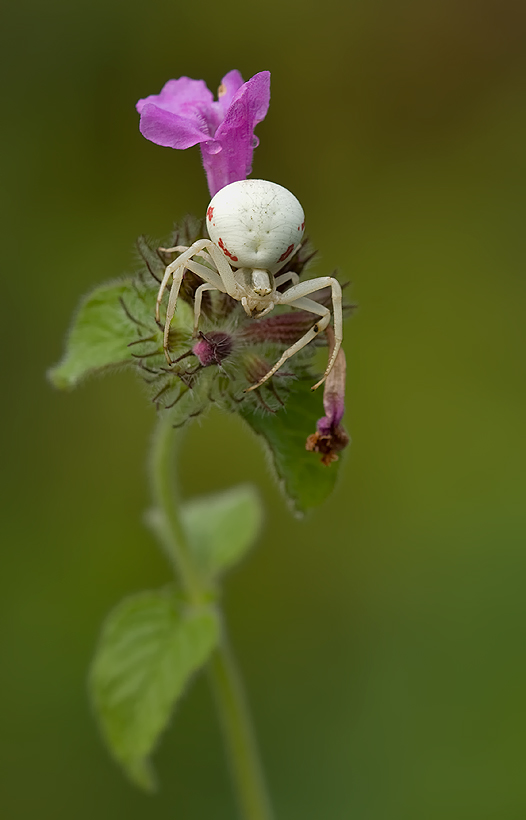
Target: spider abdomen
257, 224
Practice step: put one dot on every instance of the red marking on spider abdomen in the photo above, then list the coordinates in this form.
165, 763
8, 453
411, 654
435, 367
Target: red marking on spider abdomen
225, 250
287, 253
210, 213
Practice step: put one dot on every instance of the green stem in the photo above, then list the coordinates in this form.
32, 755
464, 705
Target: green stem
238, 735
224, 677
164, 486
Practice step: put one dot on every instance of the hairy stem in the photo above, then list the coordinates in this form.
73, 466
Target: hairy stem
224, 677
238, 735
165, 493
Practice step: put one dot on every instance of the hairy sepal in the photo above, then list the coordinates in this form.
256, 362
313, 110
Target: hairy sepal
114, 327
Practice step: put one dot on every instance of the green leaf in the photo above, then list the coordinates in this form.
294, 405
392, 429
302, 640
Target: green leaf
99, 337
222, 527
305, 480
150, 646
109, 319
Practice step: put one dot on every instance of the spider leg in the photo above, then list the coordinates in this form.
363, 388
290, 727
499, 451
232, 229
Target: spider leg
182, 248
178, 249
321, 324
206, 255
178, 274
168, 272
231, 285
284, 277
197, 303
212, 282
311, 286
266, 310
201, 244
222, 279
210, 276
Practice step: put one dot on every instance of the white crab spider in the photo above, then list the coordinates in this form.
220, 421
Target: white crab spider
255, 227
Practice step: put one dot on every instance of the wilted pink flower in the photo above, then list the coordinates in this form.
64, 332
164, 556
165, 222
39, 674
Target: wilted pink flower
330, 436
185, 114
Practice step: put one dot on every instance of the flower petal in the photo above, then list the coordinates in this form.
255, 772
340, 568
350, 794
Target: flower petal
172, 130
181, 96
248, 107
236, 133
230, 84
180, 116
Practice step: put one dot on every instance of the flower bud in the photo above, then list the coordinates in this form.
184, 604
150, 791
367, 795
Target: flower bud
213, 347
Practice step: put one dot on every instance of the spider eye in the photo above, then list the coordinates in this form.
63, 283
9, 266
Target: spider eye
260, 223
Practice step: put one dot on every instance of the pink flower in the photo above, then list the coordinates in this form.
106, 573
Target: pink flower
185, 114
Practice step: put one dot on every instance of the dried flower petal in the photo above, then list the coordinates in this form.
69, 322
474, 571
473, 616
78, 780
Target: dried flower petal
330, 436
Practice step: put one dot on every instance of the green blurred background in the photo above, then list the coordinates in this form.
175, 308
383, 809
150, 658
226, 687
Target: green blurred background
382, 639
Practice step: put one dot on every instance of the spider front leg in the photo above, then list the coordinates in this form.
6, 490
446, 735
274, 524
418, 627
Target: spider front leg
181, 248
312, 307
212, 281
294, 297
311, 286
197, 303
222, 279
285, 277
176, 269
178, 248
178, 274
172, 267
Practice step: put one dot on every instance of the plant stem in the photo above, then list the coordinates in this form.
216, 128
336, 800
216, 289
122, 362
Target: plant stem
165, 493
224, 677
238, 734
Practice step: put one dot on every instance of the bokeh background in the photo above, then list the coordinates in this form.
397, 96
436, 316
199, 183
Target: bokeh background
382, 639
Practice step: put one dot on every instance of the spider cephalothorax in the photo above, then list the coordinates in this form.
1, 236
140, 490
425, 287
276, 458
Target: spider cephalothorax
255, 227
